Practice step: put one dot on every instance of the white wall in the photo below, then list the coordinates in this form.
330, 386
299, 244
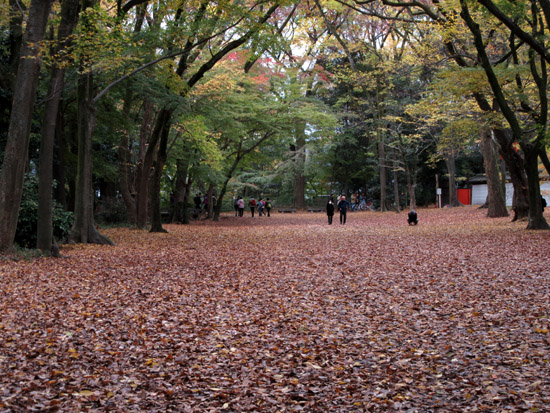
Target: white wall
479, 193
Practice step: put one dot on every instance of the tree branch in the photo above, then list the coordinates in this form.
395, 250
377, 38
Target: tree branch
527, 38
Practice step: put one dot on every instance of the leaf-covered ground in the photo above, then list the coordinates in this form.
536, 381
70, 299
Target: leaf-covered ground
285, 314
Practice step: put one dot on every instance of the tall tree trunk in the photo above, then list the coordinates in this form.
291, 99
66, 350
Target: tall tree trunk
516, 168
383, 174
16, 40
544, 159
502, 175
69, 16
8, 72
396, 182
223, 190
219, 200
44, 235
210, 207
410, 188
156, 218
83, 230
127, 187
500, 101
147, 153
180, 191
186, 201
411, 182
124, 179
299, 164
60, 193
16, 151
495, 198
451, 169
536, 218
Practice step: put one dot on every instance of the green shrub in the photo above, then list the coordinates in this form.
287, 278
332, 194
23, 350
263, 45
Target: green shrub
111, 211
25, 235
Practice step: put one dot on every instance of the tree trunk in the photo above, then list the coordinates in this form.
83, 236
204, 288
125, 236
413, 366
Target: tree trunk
44, 235
496, 202
125, 183
186, 201
383, 176
60, 193
16, 40
536, 218
218, 207
180, 191
411, 184
84, 230
502, 174
69, 16
395, 182
141, 180
124, 178
156, 218
210, 206
544, 159
223, 190
8, 72
16, 151
514, 163
507, 151
451, 169
299, 178
143, 184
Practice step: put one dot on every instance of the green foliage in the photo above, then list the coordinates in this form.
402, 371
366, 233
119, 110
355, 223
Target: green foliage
101, 43
25, 235
111, 211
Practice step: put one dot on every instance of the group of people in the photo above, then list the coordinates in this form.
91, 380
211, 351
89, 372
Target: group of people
357, 198
262, 206
202, 202
342, 206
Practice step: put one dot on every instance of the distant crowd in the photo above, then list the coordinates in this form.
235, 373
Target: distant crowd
357, 200
263, 206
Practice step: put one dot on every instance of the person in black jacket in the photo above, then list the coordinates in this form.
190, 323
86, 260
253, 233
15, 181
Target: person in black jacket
412, 218
343, 206
330, 211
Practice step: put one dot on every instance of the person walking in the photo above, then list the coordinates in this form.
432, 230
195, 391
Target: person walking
268, 206
198, 201
252, 205
261, 205
343, 206
330, 211
236, 206
241, 206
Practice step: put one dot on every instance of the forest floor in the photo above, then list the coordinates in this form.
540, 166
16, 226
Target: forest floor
283, 314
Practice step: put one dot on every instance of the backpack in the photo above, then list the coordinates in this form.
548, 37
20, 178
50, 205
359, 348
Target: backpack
268, 205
